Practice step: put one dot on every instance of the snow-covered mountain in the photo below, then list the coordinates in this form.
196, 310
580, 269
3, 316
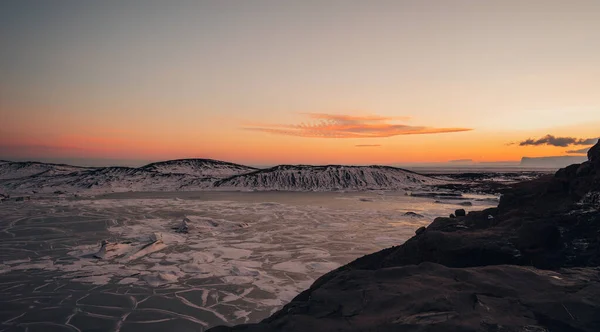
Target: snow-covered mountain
205, 168
202, 174
15, 170
185, 174
327, 178
106, 179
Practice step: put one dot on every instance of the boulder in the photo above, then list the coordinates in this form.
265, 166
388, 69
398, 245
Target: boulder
460, 213
413, 215
156, 237
183, 227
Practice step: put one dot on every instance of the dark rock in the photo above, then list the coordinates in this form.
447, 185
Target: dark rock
184, 226
460, 213
420, 230
594, 154
413, 215
568, 172
432, 297
446, 224
591, 201
452, 215
584, 169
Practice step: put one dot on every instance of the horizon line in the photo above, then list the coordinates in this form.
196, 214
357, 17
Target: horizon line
137, 163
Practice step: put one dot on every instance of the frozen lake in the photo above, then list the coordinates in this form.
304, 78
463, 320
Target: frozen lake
244, 254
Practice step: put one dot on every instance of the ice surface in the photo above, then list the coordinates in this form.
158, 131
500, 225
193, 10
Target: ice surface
243, 257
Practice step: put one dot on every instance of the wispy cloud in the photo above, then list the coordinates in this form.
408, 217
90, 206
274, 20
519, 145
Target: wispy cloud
367, 145
347, 126
354, 118
559, 141
580, 151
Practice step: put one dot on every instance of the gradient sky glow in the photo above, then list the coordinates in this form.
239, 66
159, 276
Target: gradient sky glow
265, 82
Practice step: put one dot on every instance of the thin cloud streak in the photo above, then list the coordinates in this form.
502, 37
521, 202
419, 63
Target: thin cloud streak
558, 141
580, 151
345, 126
353, 118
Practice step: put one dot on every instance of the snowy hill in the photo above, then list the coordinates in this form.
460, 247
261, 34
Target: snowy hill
106, 179
186, 174
15, 170
205, 168
202, 174
327, 178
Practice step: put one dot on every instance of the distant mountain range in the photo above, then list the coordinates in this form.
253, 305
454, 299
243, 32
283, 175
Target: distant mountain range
202, 174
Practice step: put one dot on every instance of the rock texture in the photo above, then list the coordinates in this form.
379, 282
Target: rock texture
328, 178
16, 170
531, 264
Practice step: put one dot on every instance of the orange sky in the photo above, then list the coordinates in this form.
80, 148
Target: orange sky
268, 82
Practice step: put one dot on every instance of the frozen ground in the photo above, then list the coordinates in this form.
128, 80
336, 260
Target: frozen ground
244, 254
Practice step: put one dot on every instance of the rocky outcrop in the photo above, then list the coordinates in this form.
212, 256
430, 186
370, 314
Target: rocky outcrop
432, 297
594, 154
531, 264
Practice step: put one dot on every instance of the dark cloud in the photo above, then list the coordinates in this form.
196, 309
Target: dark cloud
559, 141
580, 151
346, 126
367, 145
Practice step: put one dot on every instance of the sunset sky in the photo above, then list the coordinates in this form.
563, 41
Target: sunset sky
266, 82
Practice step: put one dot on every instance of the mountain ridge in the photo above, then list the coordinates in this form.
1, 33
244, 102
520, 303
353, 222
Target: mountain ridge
327, 177
203, 174
197, 166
